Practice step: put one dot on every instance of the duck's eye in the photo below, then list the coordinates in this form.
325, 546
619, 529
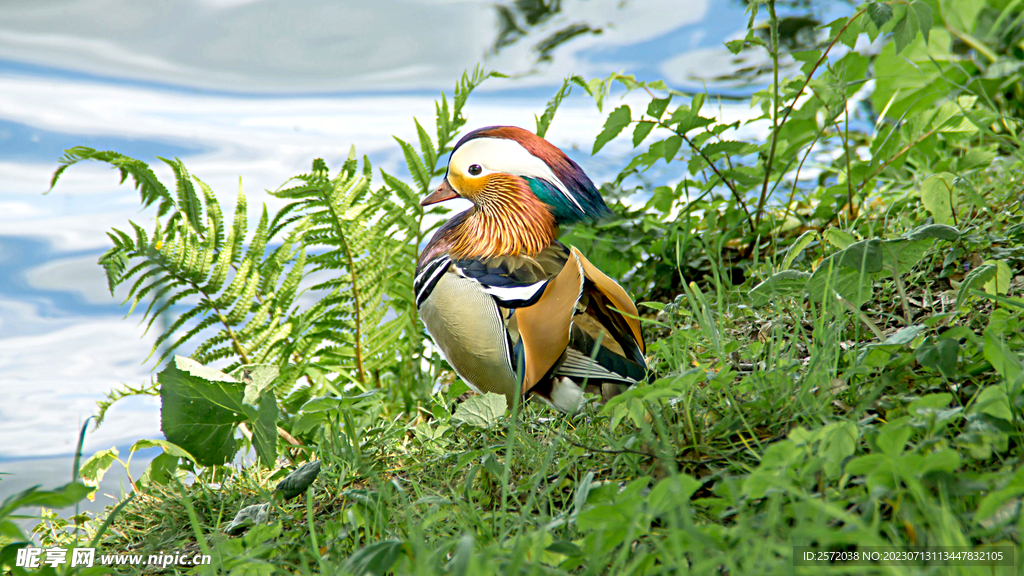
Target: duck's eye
475, 169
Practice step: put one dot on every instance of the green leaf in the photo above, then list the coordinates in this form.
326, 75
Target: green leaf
993, 401
671, 493
376, 558
838, 238
864, 464
735, 46
904, 335
937, 231
947, 461
847, 36
257, 378
939, 197
658, 106
975, 279
96, 466
940, 356
482, 411
893, 437
1003, 358
672, 145
780, 283
847, 282
798, 246
905, 30
1000, 281
201, 407
61, 497
641, 130
879, 13
924, 16
161, 469
866, 256
617, 120
993, 501
809, 59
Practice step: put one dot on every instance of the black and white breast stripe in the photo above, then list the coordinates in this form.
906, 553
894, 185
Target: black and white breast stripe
517, 296
508, 294
425, 281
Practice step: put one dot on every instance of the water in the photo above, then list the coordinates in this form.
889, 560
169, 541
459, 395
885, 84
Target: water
255, 89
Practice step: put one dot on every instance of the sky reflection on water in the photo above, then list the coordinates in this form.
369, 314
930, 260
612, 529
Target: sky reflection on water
255, 89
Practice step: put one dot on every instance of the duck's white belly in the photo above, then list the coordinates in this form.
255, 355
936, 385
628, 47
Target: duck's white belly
466, 324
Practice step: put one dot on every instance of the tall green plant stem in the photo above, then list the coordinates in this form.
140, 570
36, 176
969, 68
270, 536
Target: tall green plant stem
774, 24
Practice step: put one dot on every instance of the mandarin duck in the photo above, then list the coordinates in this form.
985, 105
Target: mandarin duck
513, 310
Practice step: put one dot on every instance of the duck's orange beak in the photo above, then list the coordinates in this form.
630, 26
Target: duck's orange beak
443, 192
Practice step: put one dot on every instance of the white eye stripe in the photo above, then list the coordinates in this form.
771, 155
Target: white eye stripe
508, 156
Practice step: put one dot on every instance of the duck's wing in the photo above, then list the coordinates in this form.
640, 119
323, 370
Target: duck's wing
606, 344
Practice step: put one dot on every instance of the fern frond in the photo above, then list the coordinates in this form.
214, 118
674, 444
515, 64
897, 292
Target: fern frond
189, 206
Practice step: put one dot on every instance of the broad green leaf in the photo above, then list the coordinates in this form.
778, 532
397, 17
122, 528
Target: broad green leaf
617, 120
851, 284
994, 402
864, 464
735, 46
930, 402
169, 448
160, 469
937, 231
672, 145
1000, 281
902, 255
257, 378
61, 497
482, 411
657, 107
947, 461
95, 467
1003, 358
923, 12
640, 131
893, 437
904, 335
866, 256
939, 197
940, 356
847, 36
994, 500
838, 238
906, 29
879, 13
975, 279
376, 558
201, 408
671, 492
785, 282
